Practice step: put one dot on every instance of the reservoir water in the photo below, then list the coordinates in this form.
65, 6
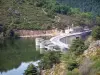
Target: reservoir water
16, 55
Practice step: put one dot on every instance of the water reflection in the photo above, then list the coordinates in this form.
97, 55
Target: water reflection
20, 69
14, 52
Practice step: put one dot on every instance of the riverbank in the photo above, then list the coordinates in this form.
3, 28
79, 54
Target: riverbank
35, 33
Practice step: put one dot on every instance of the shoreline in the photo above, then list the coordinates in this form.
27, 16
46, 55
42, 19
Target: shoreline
35, 33
29, 36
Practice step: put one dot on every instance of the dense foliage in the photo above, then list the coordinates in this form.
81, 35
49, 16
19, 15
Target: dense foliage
84, 5
53, 6
31, 70
96, 33
96, 65
23, 14
49, 59
39, 14
78, 17
77, 63
78, 46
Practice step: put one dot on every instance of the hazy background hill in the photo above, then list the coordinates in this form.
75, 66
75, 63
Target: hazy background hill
84, 5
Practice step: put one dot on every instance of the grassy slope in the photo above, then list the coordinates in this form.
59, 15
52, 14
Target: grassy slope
31, 17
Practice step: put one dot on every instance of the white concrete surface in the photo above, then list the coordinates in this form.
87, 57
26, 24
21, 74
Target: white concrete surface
56, 40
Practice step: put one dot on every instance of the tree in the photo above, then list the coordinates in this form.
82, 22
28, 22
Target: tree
96, 33
39, 3
62, 9
75, 11
98, 20
49, 59
70, 59
78, 46
72, 65
31, 70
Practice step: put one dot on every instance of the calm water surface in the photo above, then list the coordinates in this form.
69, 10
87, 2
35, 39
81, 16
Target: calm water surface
16, 55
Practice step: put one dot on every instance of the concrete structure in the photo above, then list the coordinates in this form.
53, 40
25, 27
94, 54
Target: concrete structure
63, 41
37, 42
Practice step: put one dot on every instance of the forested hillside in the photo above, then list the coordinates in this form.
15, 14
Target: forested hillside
85, 5
45, 14
23, 14
40, 14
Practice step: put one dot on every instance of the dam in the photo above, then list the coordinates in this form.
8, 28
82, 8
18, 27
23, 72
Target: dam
62, 41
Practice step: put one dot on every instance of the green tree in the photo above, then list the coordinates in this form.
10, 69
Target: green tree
45, 63
49, 59
31, 70
96, 33
74, 11
72, 65
78, 46
70, 59
40, 3
62, 9
98, 20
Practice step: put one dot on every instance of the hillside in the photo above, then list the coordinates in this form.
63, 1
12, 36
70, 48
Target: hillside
88, 63
85, 5
23, 14
43, 14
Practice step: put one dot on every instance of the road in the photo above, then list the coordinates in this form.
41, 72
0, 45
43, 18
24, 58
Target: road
57, 39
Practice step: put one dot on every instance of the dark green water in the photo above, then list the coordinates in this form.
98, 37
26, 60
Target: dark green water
15, 56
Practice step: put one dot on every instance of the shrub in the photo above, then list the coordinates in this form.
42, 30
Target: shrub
78, 46
49, 59
96, 33
62, 9
72, 65
74, 72
31, 70
97, 65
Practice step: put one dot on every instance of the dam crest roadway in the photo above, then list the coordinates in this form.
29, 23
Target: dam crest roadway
63, 40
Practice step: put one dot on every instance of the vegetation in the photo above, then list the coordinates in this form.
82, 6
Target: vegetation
84, 5
79, 64
49, 59
78, 46
40, 15
23, 15
96, 33
96, 63
31, 70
